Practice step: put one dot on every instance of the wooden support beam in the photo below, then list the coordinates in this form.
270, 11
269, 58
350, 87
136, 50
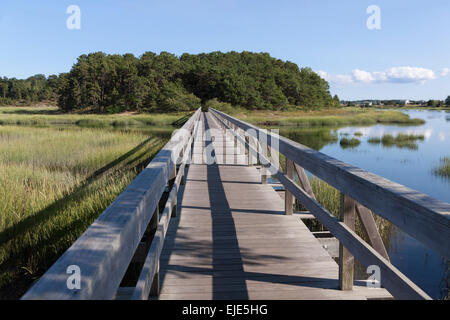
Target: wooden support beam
370, 230
346, 259
154, 290
304, 181
288, 197
264, 172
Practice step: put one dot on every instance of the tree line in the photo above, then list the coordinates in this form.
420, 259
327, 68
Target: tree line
110, 83
37, 88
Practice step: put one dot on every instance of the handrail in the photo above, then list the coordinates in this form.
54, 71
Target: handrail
151, 264
397, 283
104, 251
419, 215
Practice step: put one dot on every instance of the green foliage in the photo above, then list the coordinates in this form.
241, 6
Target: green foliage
54, 182
434, 103
402, 140
329, 117
349, 143
50, 116
104, 83
33, 89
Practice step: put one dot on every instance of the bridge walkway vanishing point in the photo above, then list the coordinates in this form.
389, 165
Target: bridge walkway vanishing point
232, 239
190, 228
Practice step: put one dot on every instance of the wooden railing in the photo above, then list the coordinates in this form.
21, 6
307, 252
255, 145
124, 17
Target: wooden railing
422, 217
105, 250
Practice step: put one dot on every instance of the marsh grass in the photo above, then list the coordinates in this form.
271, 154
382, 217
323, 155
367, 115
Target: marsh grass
54, 182
349, 143
443, 169
315, 138
329, 197
48, 116
327, 117
408, 141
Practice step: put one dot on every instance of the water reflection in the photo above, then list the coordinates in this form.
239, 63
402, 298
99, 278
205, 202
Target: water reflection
315, 138
408, 162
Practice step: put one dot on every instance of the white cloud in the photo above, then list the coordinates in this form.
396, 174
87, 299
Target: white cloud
362, 76
445, 71
323, 75
409, 74
339, 78
392, 75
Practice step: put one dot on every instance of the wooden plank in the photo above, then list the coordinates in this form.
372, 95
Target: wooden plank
346, 260
304, 181
422, 217
370, 230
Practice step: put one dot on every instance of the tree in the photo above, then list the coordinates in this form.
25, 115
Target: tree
336, 101
164, 82
447, 101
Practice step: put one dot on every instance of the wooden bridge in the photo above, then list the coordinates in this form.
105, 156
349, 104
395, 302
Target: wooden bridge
201, 222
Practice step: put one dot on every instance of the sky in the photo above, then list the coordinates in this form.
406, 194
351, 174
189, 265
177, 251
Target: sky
407, 55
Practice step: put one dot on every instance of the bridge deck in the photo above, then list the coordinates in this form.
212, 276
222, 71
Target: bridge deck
231, 240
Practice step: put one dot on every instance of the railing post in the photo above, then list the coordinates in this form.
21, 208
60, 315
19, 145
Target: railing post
346, 259
264, 170
234, 127
174, 205
288, 197
251, 157
154, 290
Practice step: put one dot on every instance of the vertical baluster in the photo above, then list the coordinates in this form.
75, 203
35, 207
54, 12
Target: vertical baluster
264, 171
288, 197
346, 260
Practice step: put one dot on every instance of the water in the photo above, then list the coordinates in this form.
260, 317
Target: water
410, 167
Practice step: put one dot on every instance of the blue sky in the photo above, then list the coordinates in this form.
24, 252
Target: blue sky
408, 58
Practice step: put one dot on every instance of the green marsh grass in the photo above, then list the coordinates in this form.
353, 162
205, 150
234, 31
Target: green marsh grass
408, 141
54, 182
46, 116
443, 169
349, 143
327, 117
329, 197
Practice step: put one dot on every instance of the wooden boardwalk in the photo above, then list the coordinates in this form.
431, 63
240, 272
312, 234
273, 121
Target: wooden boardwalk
232, 240
225, 234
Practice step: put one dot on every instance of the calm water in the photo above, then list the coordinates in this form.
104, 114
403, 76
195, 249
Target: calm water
410, 167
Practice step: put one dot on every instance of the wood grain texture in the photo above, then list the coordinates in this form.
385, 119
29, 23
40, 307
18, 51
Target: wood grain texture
370, 230
346, 259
